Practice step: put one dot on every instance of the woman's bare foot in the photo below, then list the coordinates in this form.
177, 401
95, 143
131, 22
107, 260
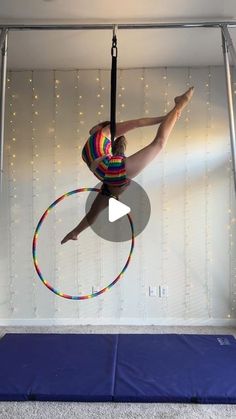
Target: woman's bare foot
182, 100
70, 236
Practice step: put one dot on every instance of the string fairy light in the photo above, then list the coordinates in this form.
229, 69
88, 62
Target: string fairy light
79, 113
208, 245
15, 201
35, 172
164, 195
56, 173
100, 97
13, 187
98, 259
96, 252
119, 248
142, 304
121, 96
187, 223
80, 122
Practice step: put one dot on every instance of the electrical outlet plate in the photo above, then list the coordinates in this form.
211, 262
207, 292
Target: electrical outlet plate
152, 291
163, 291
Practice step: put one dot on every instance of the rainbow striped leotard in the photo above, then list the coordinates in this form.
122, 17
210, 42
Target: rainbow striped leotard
110, 169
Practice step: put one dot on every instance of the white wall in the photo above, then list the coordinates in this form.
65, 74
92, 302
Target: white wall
188, 244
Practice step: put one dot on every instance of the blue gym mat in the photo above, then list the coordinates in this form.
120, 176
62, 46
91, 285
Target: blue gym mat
118, 367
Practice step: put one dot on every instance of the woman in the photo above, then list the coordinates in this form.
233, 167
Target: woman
115, 170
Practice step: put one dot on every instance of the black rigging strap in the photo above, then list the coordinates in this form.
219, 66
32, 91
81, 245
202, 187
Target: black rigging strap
114, 52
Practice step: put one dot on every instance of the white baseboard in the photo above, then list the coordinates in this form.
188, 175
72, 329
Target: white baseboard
118, 322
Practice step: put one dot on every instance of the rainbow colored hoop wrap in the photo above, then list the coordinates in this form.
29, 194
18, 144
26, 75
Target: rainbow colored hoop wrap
34, 248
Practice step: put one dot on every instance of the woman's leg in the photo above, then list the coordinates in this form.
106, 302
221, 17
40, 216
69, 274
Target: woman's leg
100, 203
138, 161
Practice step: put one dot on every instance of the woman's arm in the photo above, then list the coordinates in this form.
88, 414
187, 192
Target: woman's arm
123, 127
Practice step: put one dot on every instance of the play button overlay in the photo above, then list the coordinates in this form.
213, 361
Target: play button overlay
116, 210
112, 223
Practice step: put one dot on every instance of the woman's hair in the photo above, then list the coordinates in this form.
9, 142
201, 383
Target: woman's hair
100, 125
119, 146
104, 124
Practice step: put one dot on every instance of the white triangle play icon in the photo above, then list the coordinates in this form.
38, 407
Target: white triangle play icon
116, 210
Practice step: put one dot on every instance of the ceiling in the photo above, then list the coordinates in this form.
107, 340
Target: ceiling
137, 48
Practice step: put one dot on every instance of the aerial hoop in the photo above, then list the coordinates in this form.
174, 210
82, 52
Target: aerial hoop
34, 251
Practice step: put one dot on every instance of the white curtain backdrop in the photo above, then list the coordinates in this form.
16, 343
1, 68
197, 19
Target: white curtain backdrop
189, 243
